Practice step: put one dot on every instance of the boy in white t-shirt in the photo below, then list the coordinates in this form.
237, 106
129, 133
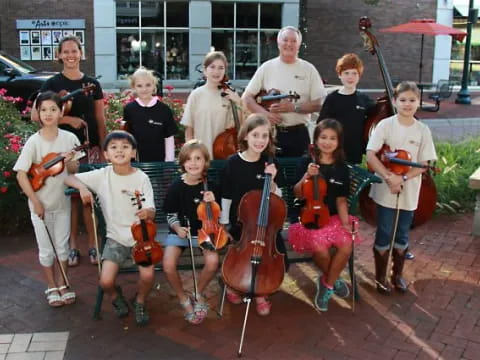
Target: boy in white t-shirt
113, 184
49, 206
399, 132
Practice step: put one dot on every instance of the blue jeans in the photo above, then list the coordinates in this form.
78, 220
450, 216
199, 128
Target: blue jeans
385, 220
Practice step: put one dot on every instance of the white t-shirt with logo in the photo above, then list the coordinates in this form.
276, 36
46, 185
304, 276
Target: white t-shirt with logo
300, 77
417, 140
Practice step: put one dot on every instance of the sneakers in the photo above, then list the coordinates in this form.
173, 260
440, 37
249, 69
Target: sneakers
322, 296
141, 315
120, 305
340, 288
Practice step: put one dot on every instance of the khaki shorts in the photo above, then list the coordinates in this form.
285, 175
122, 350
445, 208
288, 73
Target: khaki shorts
117, 253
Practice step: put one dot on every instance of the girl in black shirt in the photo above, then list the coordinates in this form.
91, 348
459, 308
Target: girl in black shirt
328, 162
183, 197
244, 172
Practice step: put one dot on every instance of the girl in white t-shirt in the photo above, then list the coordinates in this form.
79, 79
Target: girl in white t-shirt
49, 206
208, 111
397, 191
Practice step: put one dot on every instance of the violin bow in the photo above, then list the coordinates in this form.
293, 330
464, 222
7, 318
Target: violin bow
94, 221
189, 238
354, 280
62, 270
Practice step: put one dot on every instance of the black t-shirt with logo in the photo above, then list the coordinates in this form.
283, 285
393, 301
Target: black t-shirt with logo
83, 105
150, 126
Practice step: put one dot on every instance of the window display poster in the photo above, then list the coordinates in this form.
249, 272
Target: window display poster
47, 53
80, 35
25, 53
67, 32
83, 52
35, 37
56, 36
55, 53
36, 52
46, 37
25, 37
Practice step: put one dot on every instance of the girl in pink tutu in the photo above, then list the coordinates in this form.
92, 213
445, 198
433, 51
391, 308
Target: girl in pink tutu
328, 161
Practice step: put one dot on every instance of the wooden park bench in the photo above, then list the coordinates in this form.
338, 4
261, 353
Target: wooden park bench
161, 175
474, 184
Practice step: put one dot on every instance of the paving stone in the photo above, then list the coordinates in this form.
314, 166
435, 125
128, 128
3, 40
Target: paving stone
6, 338
26, 356
53, 336
20, 343
47, 346
4, 348
54, 355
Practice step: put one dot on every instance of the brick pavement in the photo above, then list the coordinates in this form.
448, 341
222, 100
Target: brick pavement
437, 319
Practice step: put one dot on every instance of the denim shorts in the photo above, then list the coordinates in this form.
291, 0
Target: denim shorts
175, 240
118, 253
385, 220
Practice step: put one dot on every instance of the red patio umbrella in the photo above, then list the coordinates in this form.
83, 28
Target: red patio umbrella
426, 27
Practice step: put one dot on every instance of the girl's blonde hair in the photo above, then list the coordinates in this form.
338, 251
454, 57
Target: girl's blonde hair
406, 86
143, 72
187, 149
251, 122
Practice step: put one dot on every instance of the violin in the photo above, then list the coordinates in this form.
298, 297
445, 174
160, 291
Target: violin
384, 108
52, 164
146, 250
67, 97
268, 98
314, 214
226, 143
212, 236
254, 266
400, 161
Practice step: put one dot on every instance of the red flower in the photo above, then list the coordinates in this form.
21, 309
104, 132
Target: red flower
7, 174
169, 87
3, 189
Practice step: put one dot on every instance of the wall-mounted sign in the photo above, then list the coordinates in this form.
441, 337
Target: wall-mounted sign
36, 24
39, 38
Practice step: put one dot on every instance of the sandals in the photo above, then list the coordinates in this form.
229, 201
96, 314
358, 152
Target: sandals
68, 297
53, 297
141, 314
73, 257
264, 306
190, 316
92, 253
201, 310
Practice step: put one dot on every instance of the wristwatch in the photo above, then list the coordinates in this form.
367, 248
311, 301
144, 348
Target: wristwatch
405, 178
297, 108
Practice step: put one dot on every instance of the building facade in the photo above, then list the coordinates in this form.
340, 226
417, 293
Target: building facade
172, 36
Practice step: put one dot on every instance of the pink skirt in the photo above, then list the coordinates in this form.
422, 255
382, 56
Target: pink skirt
305, 240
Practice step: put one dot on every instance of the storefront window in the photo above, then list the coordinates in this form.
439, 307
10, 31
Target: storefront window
143, 30
246, 32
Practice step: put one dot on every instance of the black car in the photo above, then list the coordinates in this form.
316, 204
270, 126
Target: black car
20, 79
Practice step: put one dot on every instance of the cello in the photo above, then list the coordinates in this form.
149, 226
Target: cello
226, 143
254, 266
384, 108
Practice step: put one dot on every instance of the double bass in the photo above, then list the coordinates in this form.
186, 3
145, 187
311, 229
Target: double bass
226, 143
384, 108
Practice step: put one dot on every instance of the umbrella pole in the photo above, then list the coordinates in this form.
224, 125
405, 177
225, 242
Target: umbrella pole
421, 61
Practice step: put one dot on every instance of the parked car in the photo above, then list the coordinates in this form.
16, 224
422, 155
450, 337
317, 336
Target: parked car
20, 79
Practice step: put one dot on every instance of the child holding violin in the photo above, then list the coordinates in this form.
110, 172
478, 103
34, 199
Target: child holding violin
86, 120
326, 165
349, 106
398, 194
49, 206
208, 111
181, 202
114, 185
243, 172
149, 120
